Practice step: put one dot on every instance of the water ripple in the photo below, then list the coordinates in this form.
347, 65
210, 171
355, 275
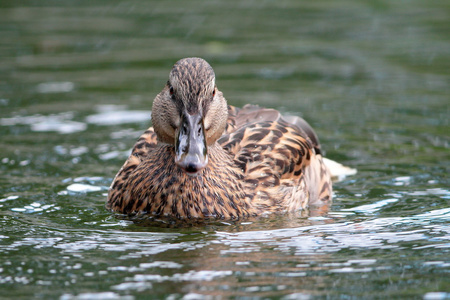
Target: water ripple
117, 114
378, 233
61, 123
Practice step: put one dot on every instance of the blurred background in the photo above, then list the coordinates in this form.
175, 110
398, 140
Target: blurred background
77, 80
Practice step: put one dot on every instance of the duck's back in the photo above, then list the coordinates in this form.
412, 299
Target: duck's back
280, 158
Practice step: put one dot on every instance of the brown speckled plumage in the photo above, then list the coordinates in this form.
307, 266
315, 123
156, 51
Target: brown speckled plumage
257, 161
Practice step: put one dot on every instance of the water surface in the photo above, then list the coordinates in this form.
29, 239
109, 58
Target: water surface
76, 85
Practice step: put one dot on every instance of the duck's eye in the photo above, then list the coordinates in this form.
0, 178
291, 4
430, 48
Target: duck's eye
199, 131
214, 92
171, 91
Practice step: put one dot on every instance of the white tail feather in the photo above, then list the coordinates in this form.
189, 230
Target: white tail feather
338, 171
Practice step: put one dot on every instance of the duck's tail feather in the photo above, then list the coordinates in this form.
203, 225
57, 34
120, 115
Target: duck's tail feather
338, 171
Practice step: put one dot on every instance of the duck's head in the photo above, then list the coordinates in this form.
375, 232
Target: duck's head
190, 113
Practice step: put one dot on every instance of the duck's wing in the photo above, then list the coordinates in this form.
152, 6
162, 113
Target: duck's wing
279, 159
141, 149
251, 114
306, 128
146, 141
268, 145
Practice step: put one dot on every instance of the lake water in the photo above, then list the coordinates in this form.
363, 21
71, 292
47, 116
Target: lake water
77, 80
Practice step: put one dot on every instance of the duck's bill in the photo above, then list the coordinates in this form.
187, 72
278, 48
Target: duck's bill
190, 144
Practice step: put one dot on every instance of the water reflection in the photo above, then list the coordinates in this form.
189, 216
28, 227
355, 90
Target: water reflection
61, 123
55, 87
116, 115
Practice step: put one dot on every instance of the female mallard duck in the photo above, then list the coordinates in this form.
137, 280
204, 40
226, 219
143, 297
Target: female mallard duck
204, 159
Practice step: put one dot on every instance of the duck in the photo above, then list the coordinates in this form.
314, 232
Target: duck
205, 159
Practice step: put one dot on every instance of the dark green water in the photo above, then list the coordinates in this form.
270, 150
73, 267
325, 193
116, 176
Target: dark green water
77, 80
